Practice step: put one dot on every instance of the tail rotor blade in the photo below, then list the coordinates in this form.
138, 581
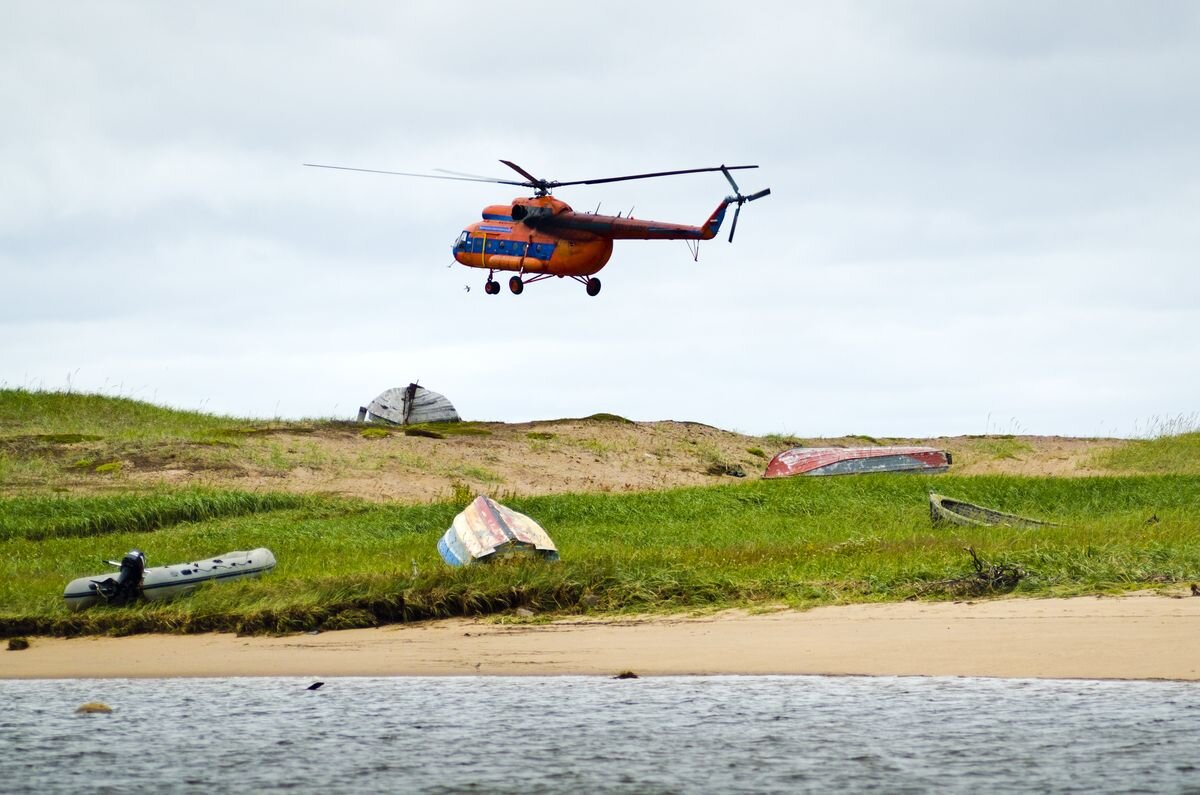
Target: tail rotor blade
733, 228
759, 195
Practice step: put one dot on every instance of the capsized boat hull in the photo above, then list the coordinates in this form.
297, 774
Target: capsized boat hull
817, 461
487, 531
944, 510
412, 405
169, 582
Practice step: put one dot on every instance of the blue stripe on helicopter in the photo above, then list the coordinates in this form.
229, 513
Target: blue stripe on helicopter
486, 228
496, 217
516, 248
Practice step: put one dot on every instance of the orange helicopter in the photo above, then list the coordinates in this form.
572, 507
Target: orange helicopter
539, 237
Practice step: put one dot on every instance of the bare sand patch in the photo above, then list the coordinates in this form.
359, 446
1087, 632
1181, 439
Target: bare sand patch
1139, 636
525, 459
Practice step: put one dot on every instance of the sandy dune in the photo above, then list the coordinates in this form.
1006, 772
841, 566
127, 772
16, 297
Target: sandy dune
549, 457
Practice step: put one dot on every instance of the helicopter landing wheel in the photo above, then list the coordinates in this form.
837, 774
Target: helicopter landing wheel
516, 285
593, 286
491, 288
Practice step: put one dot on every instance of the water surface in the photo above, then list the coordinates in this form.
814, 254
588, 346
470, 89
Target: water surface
724, 734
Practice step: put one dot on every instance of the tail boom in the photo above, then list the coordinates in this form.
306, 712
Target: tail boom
614, 227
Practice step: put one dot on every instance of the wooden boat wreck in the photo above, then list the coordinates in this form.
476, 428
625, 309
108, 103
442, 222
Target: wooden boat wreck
410, 405
944, 511
134, 581
817, 461
487, 531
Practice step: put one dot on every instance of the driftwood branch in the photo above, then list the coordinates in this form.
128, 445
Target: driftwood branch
987, 578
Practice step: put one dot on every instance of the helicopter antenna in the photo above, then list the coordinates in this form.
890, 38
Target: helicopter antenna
739, 199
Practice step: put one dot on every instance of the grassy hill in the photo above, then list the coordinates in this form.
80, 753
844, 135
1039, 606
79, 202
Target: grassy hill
661, 527
87, 444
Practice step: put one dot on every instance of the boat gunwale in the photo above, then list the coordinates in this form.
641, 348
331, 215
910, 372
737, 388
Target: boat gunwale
941, 513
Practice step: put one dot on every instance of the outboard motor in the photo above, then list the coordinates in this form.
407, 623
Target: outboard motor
127, 586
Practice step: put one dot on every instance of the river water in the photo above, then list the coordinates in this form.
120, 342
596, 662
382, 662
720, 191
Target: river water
721, 734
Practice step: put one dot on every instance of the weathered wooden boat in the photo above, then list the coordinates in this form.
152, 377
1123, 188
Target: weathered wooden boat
944, 510
134, 581
856, 461
411, 405
487, 531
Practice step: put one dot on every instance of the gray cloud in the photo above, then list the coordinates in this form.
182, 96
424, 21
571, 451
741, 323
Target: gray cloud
982, 218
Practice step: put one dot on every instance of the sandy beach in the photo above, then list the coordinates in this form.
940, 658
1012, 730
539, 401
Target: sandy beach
1139, 636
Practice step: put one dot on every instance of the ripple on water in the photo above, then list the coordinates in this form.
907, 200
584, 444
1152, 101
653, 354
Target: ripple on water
669, 734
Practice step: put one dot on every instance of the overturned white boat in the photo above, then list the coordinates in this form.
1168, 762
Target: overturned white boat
134, 581
411, 405
487, 530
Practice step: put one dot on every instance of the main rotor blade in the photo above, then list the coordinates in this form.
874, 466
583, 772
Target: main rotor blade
759, 195
733, 228
646, 176
422, 176
463, 174
522, 172
534, 182
729, 177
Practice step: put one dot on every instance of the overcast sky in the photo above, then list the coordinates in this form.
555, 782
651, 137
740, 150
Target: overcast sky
985, 217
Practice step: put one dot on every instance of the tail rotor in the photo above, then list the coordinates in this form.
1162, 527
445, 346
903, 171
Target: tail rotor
739, 199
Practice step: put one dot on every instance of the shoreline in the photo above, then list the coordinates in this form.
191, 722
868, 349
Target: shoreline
1143, 635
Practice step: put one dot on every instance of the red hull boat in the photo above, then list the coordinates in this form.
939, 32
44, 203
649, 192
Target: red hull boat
856, 461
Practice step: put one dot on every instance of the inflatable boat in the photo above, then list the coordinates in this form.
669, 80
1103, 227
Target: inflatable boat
134, 581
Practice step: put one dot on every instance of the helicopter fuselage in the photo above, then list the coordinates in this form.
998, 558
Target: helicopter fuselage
543, 235
540, 237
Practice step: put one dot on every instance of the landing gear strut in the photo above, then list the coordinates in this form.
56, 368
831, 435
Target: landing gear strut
590, 283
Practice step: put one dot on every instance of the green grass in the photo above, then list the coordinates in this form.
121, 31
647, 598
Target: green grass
45, 434
40, 517
51, 437
441, 430
1165, 454
781, 442
64, 417
606, 417
477, 473
600, 417
345, 563
1000, 447
799, 542
596, 447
